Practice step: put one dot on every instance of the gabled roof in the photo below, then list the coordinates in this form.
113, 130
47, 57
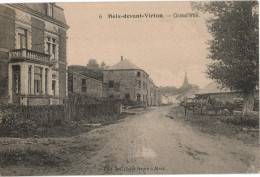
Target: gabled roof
213, 88
124, 64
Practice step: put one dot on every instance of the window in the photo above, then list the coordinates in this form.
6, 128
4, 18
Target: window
138, 83
127, 96
22, 38
138, 97
83, 89
16, 79
53, 87
117, 86
37, 80
110, 84
48, 45
138, 74
29, 79
144, 85
52, 46
46, 81
83, 82
83, 85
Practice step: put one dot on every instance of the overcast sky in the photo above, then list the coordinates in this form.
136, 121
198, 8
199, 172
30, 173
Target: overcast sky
163, 47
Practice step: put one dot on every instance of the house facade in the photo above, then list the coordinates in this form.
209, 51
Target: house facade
151, 93
85, 85
33, 60
154, 95
126, 81
165, 99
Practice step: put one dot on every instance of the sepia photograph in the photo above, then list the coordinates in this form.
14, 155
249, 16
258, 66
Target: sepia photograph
129, 88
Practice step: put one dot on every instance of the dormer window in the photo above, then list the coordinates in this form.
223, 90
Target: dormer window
50, 10
22, 38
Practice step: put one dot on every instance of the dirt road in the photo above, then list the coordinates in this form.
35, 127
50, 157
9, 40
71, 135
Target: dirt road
152, 143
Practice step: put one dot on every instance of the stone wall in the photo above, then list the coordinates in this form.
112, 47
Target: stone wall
62, 45
62, 80
93, 87
37, 35
39, 101
7, 29
7, 42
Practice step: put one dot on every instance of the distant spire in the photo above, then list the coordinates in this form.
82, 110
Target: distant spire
185, 82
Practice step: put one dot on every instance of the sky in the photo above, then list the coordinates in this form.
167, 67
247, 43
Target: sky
164, 47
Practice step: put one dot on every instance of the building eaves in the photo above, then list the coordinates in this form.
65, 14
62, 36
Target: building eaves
39, 15
86, 76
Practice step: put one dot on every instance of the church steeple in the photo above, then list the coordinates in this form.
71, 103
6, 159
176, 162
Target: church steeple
185, 81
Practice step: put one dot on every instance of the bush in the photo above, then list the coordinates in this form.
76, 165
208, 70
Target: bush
21, 120
244, 121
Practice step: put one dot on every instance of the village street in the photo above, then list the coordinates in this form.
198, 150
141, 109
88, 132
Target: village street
152, 143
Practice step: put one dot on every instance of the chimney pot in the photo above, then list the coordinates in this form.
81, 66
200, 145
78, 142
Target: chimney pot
122, 58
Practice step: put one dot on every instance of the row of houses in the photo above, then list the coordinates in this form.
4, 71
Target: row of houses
168, 99
124, 81
34, 68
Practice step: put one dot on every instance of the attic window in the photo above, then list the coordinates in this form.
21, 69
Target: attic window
138, 74
50, 10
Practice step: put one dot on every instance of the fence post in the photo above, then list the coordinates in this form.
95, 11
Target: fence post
201, 106
185, 100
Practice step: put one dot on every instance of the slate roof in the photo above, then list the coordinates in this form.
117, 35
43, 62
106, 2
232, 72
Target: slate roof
125, 64
213, 88
40, 8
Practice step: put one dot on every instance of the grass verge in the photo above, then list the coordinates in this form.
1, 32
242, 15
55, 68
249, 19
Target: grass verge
230, 126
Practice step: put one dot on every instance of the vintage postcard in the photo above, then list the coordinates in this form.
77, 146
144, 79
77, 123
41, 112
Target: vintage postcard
129, 88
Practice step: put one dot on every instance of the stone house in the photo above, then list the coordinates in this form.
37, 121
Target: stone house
154, 95
85, 85
33, 60
151, 93
165, 99
126, 81
157, 96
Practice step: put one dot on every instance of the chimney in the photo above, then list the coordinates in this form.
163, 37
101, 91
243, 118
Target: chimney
122, 58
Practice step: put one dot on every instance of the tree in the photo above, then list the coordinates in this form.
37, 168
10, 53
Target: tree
234, 47
103, 65
92, 64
